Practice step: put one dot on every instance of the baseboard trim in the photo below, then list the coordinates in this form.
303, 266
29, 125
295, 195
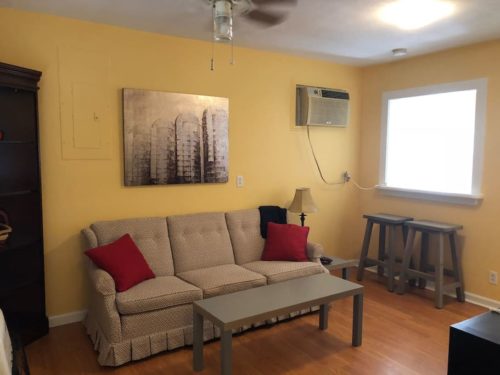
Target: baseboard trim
63, 319
473, 298
476, 299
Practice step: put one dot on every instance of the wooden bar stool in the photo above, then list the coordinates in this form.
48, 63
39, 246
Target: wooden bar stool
427, 272
386, 257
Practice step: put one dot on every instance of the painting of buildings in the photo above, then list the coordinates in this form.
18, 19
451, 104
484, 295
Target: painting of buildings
172, 138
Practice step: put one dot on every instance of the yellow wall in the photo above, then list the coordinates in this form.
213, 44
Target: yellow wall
264, 146
481, 231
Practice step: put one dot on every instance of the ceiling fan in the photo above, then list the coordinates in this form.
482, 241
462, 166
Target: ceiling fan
259, 11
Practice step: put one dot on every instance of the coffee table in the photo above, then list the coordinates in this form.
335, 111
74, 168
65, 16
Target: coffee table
238, 309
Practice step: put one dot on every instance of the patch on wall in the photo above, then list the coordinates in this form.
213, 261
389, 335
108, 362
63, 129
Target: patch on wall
84, 103
172, 138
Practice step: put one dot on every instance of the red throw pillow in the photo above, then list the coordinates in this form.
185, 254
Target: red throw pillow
124, 261
286, 242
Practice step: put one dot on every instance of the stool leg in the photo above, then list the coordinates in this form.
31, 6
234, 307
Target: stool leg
381, 249
391, 262
406, 260
405, 234
439, 273
364, 250
411, 282
424, 254
457, 267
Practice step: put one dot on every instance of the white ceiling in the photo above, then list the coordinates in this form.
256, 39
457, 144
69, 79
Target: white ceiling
345, 31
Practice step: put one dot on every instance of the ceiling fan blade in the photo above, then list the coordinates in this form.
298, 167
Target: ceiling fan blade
274, 2
265, 18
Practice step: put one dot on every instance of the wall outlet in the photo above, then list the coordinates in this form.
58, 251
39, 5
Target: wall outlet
240, 181
493, 277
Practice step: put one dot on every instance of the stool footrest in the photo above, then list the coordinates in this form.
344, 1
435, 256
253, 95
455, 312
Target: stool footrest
454, 285
446, 271
370, 262
419, 274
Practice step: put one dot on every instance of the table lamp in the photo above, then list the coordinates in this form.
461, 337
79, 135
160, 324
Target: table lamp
303, 203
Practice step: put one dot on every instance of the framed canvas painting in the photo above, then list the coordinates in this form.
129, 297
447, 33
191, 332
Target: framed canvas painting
172, 138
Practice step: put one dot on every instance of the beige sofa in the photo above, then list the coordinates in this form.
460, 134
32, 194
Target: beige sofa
193, 257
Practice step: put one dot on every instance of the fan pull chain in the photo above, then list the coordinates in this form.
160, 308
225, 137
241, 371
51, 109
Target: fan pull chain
212, 58
232, 52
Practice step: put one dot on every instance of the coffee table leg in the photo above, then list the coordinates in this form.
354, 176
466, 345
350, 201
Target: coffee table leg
323, 316
197, 341
345, 273
357, 320
226, 362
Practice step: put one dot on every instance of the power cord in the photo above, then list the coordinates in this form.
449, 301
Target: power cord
362, 187
346, 176
317, 164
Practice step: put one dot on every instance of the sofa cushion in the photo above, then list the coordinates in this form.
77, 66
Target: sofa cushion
244, 229
277, 271
158, 293
199, 241
150, 236
223, 279
123, 261
285, 242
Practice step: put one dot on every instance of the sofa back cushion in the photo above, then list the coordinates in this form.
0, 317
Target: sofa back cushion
244, 229
149, 234
199, 241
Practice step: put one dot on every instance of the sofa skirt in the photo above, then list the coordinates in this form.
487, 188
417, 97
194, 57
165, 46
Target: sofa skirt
143, 346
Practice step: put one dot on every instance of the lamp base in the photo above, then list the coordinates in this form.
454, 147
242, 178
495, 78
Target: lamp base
302, 219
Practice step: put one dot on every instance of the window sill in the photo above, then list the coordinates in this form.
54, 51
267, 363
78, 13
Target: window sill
464, 199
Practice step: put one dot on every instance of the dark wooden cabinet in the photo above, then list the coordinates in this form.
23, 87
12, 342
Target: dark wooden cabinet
22, 286
474, 346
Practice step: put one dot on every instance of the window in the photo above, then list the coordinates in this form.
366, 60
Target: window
432, 141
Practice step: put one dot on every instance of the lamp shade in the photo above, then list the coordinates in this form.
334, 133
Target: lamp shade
303, 202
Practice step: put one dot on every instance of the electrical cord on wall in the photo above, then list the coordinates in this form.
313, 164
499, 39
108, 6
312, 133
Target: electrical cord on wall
362, 187
317, 164
346, 176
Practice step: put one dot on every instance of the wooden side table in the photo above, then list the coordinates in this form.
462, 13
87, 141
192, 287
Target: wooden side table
341, 264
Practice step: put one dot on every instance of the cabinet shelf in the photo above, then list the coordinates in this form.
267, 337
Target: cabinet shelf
17, 192
19, 243
16, 142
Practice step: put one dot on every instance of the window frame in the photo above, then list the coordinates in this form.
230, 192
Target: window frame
475, 197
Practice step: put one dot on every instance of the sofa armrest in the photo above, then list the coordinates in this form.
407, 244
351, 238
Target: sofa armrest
102, 309
102, 305
101, 281
314, 251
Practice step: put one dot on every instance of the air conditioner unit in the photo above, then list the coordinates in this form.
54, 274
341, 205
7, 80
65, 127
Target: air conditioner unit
320, 106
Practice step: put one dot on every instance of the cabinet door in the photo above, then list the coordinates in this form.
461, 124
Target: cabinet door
19, 267
17, 114
25, 218
18, 167
24, 312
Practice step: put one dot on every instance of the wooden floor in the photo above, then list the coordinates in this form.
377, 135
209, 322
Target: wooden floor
401, 335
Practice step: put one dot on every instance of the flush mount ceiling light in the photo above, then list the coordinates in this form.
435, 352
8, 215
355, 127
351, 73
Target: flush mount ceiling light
415, 14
